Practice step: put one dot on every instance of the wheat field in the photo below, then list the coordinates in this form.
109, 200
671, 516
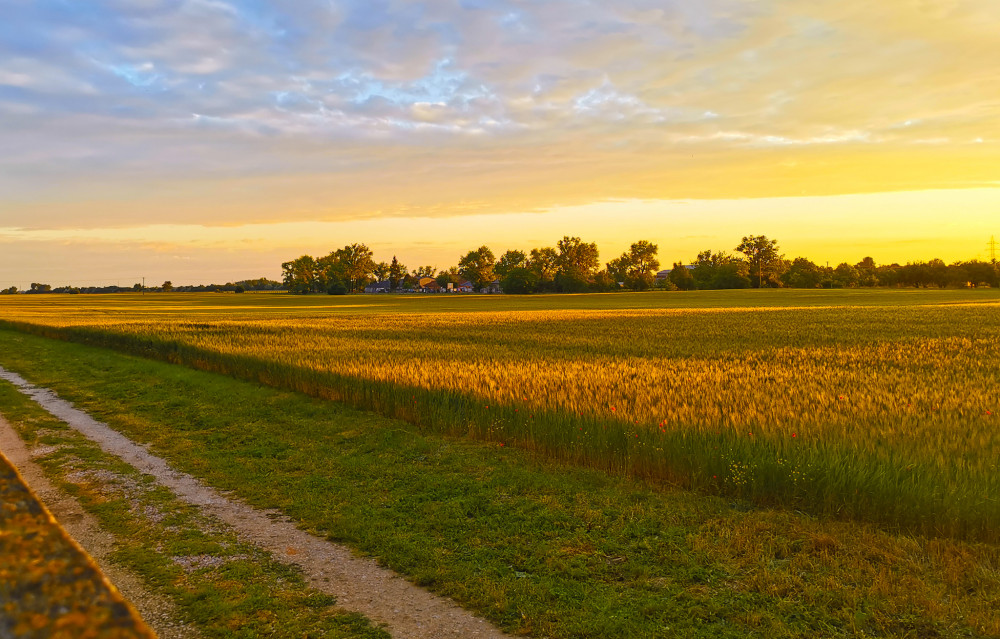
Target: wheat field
876, 405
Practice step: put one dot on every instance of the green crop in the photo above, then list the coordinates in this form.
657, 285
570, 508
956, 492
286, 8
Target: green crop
875, 405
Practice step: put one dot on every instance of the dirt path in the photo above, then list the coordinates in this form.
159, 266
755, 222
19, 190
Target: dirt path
156, 610
359, 584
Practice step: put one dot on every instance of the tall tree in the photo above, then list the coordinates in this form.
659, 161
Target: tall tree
802, 273
637, 266
396, 273
845, 276
519, 281
423, 271
381, 270
720, 270
299, 275
544, 263
681, 277
510, 261
761, 255
358, 265
477, 267
330, 275
577, 258
867, 272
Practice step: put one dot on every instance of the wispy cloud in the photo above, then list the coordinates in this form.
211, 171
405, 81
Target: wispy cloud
233, 110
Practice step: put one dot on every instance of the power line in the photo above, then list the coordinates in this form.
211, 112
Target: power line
991, 246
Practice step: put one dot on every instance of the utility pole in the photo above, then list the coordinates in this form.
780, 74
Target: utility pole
143, 285
992, 247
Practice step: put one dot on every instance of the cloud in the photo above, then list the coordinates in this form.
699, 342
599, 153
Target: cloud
233, 110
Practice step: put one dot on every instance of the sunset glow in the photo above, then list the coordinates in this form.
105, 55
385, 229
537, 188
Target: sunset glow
210, 140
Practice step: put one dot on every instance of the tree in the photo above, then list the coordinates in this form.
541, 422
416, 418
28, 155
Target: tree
450, 276
544, 263
617, 269
381, 270
167, 286
705, 266
802, 273
845, 276
681, 277
510, 261
637, 266
981, 273
960, 275
9, 291
889, 274
299, 275
915, 274
519, 281
423, 271
604, 282
357, 264
720, 270
329, 274
937, 272
477, 267
396, 273
867, 272
37, 287
410, 282
731, 275
761, 255
577, 261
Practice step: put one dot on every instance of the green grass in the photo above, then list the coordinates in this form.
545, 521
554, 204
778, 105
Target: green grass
214, 305
867, 404
222, 586
538, 547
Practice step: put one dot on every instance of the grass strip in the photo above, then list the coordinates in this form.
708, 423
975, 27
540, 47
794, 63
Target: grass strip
224, 587
538, 547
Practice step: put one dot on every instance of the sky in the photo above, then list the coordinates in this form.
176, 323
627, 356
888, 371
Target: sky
210, 140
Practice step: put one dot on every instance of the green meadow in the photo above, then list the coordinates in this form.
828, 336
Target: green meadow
719, 464
874, 405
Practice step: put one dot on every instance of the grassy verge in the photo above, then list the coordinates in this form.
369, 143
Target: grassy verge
882, 413
222, 586
537, 547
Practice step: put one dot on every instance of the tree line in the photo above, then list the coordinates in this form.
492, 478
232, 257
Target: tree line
259, 284
573, 266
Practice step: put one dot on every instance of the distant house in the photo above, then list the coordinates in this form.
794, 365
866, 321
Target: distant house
493, 287
461, 287
383, 286
430, 286
665, 273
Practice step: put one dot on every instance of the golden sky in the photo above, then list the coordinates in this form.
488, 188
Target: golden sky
206, 140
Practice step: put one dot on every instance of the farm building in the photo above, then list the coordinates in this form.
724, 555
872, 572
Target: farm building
665, 273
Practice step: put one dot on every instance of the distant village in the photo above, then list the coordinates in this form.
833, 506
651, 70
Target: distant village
573, 266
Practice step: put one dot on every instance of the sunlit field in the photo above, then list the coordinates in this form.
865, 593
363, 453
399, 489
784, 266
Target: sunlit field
878, 405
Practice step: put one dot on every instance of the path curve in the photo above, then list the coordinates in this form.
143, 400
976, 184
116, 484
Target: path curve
359, 584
